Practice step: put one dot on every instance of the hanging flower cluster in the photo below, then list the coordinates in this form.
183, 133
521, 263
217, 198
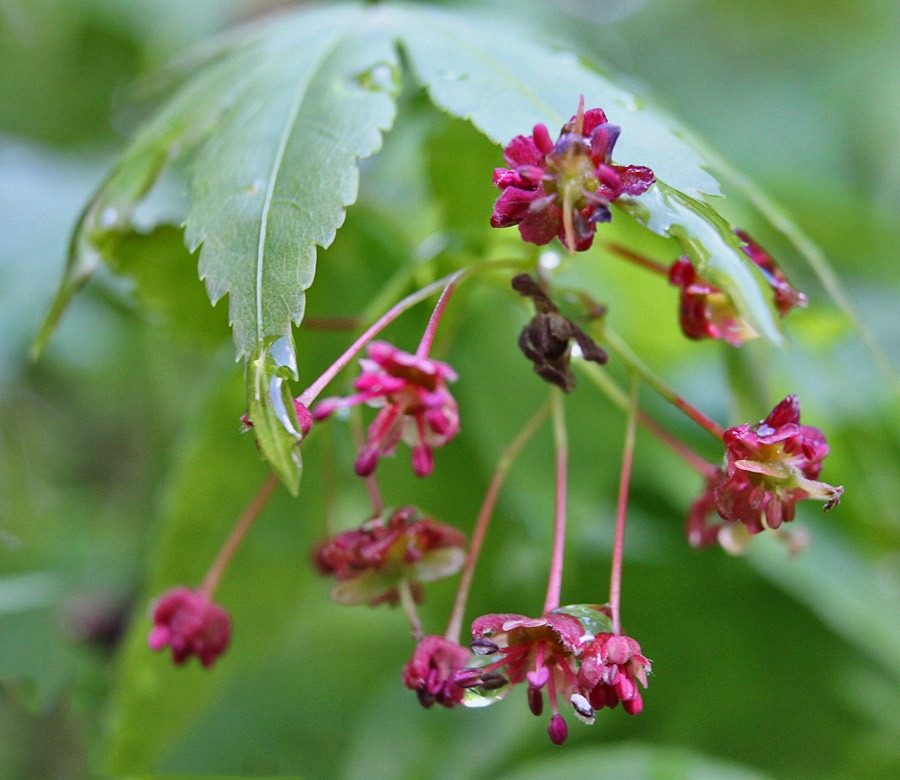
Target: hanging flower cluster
372, 562
573, 660
416, 406
558, 653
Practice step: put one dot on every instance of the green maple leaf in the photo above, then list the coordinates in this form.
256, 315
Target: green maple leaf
278, 117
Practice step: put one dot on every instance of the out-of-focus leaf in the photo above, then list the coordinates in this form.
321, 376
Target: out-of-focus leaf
154, 700
168, 285
180, 125
632, 762
856, 599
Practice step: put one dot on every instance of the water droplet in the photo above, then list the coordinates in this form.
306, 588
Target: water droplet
478, 697
108, 218
279, 408
381, 77
592, 617
282, 352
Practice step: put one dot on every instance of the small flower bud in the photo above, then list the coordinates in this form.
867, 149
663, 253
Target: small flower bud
557, 729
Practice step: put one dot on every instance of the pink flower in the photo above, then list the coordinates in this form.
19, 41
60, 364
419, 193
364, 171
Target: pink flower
191, 624
431, 670
563, 190
416, 406
372, 561
546, 652
707, 312
611, 668
771, 466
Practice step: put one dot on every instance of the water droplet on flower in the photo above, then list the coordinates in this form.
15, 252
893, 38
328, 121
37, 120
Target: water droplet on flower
479, 697
593, 618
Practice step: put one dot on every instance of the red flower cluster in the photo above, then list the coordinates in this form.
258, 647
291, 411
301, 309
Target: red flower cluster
563, 190
191, 624
559, 652
707, 312
371, 562
770, 466
416, 406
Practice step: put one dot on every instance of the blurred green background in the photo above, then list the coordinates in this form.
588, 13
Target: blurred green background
121, 469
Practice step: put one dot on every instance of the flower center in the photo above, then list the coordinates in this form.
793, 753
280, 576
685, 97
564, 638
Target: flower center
571, 170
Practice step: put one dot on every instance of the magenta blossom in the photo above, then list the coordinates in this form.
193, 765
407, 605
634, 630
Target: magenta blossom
416, 406
431, 670
372, 561
563, 190
770, 466
706, 527
708, 312
191, 624
611, 668
546, 652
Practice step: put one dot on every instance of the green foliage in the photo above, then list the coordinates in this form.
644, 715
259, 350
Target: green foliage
122, 466
283, 114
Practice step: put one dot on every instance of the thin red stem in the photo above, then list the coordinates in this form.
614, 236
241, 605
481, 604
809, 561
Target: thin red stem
435, 320
645, 262
409, 607
241, 527
507, 457
615, 580
631, 360
600, 378
554, 582
311, 393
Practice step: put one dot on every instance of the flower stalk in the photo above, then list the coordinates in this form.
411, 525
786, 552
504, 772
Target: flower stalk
615, 580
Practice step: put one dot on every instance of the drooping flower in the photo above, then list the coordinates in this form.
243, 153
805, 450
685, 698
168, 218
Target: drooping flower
416, 406
708, 312
611, 668
191, 624
705, 526
546, 652
371, 562
770, 466
431, 670
786, 297
545, 340
563, 189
